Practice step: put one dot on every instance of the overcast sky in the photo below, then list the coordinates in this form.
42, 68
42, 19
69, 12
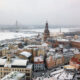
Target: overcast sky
34, 12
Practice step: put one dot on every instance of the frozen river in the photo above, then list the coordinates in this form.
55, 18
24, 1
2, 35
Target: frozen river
27, 33
11, 35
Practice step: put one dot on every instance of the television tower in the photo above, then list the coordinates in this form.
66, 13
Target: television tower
16, 26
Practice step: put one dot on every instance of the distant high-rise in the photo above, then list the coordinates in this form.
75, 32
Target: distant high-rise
46, 32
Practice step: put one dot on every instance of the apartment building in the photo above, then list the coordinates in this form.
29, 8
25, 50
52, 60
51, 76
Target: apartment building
10, 64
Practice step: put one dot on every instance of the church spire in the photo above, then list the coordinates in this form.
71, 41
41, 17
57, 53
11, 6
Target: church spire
46, 27
46, 31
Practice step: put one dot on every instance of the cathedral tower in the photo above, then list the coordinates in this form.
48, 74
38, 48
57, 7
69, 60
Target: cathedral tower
46, 32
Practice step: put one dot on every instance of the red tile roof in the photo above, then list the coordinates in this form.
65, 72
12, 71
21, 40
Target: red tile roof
76, 58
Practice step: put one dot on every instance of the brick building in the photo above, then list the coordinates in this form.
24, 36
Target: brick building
54, 60
75, 61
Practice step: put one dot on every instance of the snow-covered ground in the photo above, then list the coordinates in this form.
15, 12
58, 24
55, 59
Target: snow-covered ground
28, 33
11, 35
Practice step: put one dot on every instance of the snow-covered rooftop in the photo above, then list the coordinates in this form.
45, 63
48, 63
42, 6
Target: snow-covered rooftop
33, 46
77, 40
52, 50
29, 66
42, 78
56, 72
50, 53
65, 50
14, 76
2, 61
60, 46
57, 55
44, 44
63, 40
39, 58
62, 75
53, 55
20, 62
16, 62
26, 54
